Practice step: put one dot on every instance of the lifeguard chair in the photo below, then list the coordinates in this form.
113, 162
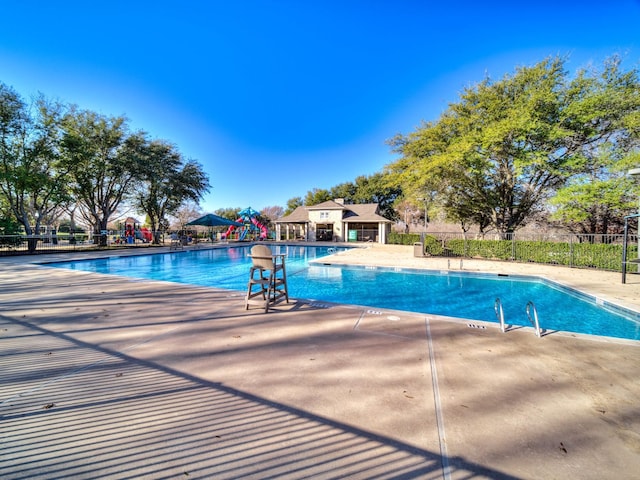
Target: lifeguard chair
267, 278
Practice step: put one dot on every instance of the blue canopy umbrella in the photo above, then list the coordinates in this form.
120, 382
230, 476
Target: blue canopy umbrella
211, 220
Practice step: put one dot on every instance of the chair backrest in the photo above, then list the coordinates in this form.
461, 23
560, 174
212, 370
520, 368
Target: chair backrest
262, 257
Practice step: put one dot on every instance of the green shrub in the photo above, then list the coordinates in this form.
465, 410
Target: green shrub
11, 229
432, 245
556, 253
396, 238
592, 255
11, 240
489, 249
602, 256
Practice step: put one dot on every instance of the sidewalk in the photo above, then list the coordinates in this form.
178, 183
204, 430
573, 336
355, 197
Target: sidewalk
104, 377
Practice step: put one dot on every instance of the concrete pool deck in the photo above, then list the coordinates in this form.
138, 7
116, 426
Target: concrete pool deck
106, 377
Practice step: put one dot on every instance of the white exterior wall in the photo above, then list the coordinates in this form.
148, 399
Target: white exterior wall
330, 217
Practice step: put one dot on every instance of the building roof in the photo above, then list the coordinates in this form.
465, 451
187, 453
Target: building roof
328, 205
364, 212
299, 215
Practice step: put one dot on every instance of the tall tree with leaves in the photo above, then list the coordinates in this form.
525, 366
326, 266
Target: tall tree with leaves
317, 196
229, 213
498, 154
370, 189
33, 181
292, 204
105, 163
376, 189
604, 110
596, 203
166, 182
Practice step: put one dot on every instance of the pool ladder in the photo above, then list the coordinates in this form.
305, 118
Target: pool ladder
497, 306
530, 310
531, 307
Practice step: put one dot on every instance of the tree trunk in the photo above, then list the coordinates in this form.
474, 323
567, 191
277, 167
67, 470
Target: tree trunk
32, 239
100, 238
32, 243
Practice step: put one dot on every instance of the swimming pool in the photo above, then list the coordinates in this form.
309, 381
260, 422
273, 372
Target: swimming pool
459, 294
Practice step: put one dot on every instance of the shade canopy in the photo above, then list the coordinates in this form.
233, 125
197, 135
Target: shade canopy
211, 220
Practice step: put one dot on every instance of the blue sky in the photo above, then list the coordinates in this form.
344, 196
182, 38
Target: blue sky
275, 98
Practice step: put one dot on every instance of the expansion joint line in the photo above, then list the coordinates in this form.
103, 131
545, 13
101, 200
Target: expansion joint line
446, 469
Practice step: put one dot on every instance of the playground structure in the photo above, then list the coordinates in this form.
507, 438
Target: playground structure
248, 217
133, 232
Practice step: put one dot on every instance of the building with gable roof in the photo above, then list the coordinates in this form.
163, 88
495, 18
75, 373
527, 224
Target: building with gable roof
334, 221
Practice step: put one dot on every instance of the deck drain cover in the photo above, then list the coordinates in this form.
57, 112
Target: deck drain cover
318, 305
475, 325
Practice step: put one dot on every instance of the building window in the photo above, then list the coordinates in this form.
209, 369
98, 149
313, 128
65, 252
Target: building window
324, 215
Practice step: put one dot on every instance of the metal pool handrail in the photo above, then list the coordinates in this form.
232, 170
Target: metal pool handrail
535, 322
497, 306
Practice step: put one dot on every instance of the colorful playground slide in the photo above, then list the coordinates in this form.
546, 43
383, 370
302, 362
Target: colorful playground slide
144, 234
248, 215
233, 227
263, 230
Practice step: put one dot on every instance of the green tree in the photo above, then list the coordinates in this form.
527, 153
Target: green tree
33, 181
317, 196
8, 223
292, 204
370, 189
105, 163
166, 182
604, 111
496, 155
229, 213
346, 190
377, 189
596, 201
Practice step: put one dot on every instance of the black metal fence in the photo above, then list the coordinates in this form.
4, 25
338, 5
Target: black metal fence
50, 243
109, 240
604, 252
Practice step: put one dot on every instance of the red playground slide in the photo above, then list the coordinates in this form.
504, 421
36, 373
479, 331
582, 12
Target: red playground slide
263, 230
232, 227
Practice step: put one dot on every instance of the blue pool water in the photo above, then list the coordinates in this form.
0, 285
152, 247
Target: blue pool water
462, 295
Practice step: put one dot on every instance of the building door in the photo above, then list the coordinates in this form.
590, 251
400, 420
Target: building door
324, 232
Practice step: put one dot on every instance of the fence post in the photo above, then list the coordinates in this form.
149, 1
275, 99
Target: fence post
571, 251
513, 246
624, 250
